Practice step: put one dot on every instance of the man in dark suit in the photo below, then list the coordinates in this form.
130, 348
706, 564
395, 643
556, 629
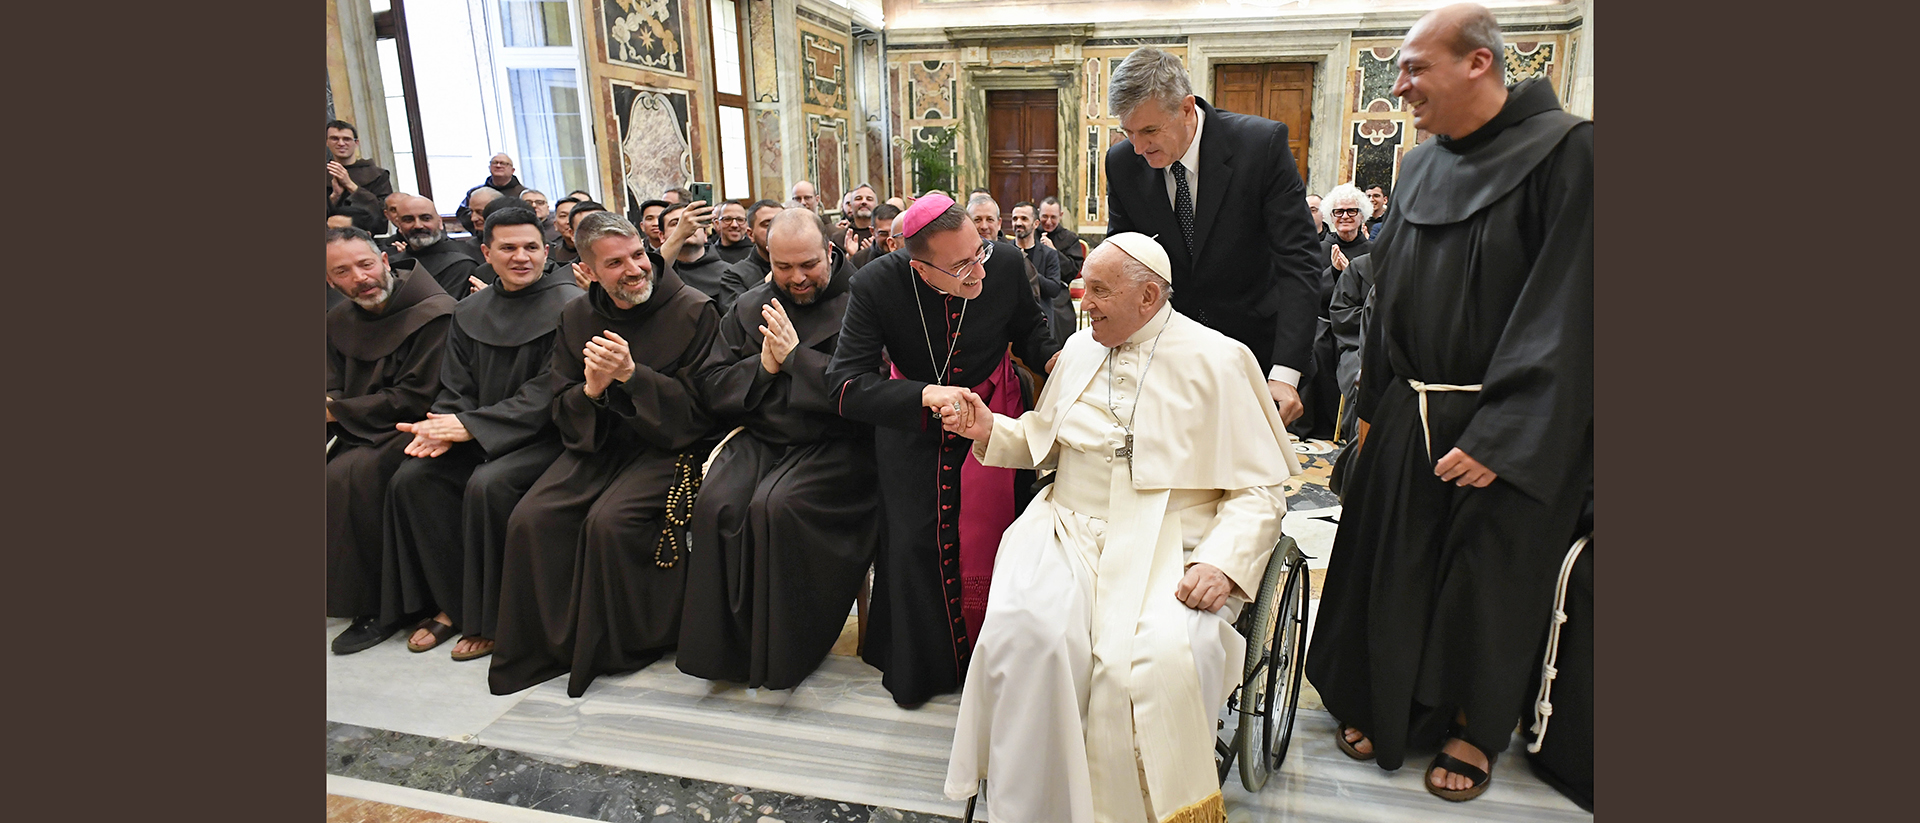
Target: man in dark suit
1222, 194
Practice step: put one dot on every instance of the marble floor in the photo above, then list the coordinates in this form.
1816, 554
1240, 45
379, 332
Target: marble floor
417, 738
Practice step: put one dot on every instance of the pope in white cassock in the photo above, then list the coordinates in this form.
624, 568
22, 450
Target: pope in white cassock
1108, 646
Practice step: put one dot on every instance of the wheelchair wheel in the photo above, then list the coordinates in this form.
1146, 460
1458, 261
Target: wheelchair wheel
1288, 665
1257, 625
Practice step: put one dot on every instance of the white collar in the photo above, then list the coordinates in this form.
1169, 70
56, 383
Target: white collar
1153, 326
1191, 160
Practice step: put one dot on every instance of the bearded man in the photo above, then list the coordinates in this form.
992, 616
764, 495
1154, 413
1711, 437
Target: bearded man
384, 346
593, 572
788, 515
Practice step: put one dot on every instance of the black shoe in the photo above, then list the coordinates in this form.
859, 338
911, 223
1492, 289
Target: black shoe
364, 634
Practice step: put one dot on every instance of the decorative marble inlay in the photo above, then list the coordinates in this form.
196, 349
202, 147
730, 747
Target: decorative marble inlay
1376, 71
766, 127
1094, 100
932, 87
824, 68
762, 34
826, 157
645, 34
1528, 59
655, 149
1093, 209
1376, 152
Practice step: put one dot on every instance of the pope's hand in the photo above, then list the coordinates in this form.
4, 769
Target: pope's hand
1205, 588
975, 422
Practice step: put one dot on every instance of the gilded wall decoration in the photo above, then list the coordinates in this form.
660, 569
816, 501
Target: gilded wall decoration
645, 34
655, 151
762, 34
932, 86
823, 70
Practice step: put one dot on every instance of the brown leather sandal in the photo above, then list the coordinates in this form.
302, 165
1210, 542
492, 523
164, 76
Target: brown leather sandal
476, 653
440, 631
1340, 739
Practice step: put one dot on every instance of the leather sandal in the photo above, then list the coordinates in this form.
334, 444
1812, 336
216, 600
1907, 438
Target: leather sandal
1340, 739
1460, 767
440, 632
476, 653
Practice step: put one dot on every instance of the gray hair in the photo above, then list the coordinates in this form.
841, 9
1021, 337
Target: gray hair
983, 198
1140, 274
1147, 74
597, 226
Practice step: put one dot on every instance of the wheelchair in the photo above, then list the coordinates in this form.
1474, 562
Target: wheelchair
1275, 626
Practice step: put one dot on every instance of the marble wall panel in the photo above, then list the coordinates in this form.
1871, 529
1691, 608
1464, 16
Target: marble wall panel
823, 68
762, 34
1373, 75
655, 149
933, 86
826, 157
1531, 58
645, 34
1376, 152
771, 173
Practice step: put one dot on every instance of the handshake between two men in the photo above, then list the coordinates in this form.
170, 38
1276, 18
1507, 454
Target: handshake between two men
965, 413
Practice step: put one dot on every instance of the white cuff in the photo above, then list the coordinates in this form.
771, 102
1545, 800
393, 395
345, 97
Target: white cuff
1285, 375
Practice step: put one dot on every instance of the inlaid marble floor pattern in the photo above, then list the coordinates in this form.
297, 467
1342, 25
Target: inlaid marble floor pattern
419, 734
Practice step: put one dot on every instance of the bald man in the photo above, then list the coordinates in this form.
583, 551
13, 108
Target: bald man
1475, 470
500, 178
788, 515
804, 194
450, 262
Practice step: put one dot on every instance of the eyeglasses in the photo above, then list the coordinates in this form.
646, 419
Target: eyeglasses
733, 219
1345, 212
979, 261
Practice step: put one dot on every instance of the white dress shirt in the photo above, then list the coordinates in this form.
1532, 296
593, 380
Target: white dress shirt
1191, 162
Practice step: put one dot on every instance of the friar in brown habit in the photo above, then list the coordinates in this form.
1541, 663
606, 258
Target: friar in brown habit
595, 558
788, 515
384, 347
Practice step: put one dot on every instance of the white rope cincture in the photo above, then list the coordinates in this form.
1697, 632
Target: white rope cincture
1543, 705
1421, 389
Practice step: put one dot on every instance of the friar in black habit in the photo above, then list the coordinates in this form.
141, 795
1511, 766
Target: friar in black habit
489, 435
1476, 409
596, 551
789, 512
384, 345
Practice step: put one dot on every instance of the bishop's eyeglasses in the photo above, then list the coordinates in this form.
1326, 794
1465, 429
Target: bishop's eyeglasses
979, 261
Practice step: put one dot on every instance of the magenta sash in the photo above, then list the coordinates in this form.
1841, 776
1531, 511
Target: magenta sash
986, 500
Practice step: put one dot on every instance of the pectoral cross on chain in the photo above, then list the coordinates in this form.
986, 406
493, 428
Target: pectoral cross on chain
1126, 450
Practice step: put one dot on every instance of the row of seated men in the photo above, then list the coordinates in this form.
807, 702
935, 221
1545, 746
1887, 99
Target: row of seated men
522, 466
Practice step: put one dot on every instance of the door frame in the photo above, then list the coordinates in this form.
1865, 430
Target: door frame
978, 80
1327, 50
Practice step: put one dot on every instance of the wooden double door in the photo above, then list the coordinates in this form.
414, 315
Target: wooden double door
1276, 91
1023, 147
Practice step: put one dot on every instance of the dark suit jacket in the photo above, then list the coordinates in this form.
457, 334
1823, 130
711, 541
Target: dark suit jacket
1257, 279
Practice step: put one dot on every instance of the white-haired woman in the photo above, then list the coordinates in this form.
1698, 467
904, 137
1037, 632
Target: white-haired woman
1346, 208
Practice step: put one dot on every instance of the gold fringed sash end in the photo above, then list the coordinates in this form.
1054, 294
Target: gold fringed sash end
1210, 809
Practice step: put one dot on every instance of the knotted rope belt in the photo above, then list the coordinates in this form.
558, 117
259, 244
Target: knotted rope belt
1421, 389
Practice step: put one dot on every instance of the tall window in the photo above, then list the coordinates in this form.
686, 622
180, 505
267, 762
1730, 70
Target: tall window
541, 89
729, 98
534, 24
546, 117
